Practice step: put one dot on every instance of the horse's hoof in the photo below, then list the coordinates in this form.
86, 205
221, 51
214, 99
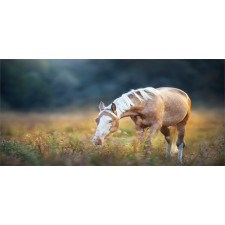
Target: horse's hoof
147, 147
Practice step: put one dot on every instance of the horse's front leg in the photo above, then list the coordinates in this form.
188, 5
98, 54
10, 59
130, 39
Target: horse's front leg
138, 122
154, 128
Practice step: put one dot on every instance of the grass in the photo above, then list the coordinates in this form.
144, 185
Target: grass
64, 139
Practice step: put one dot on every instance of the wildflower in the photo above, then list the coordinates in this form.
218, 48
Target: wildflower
203, 152
119, 131
206, 148
192, 153
124, 132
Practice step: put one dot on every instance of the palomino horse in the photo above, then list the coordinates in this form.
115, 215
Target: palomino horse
157, 109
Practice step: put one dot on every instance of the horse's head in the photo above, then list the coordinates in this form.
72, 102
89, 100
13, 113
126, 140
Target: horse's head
107, 122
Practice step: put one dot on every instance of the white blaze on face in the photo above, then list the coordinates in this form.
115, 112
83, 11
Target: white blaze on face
103, 128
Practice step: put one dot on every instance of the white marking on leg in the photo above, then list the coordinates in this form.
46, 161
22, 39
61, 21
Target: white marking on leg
180, 150
168, 146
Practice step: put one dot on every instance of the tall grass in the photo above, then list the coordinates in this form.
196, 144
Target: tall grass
64, 139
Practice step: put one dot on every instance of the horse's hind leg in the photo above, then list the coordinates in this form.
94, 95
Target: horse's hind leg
181, 127
166, 132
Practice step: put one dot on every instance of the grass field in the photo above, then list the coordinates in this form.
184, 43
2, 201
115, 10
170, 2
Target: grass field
64, 139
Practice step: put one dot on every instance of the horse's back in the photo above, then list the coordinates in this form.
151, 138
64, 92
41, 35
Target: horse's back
177, 105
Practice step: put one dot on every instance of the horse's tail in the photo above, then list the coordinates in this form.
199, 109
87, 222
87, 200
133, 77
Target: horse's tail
174, 149
173, 135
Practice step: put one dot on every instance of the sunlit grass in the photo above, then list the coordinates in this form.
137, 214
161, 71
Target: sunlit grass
64, 139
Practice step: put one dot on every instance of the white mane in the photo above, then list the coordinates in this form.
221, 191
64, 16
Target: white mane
124, 103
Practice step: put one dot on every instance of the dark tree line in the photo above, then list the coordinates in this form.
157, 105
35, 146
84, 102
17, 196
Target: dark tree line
43, 84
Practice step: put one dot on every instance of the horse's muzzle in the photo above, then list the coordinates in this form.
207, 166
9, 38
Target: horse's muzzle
97, 141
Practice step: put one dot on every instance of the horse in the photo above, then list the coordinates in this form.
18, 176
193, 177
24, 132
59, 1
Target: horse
158, 109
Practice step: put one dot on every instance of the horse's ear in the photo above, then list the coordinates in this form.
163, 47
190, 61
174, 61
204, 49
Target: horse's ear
101, 106
113, 107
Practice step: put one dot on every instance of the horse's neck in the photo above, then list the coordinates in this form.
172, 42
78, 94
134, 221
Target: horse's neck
122, 108
127, 113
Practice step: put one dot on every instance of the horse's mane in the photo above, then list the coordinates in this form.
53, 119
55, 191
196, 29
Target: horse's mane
124, 102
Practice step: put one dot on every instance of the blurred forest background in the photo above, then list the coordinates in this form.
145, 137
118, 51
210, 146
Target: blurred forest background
46, 85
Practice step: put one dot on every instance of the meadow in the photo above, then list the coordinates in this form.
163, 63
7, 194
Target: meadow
52, 139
